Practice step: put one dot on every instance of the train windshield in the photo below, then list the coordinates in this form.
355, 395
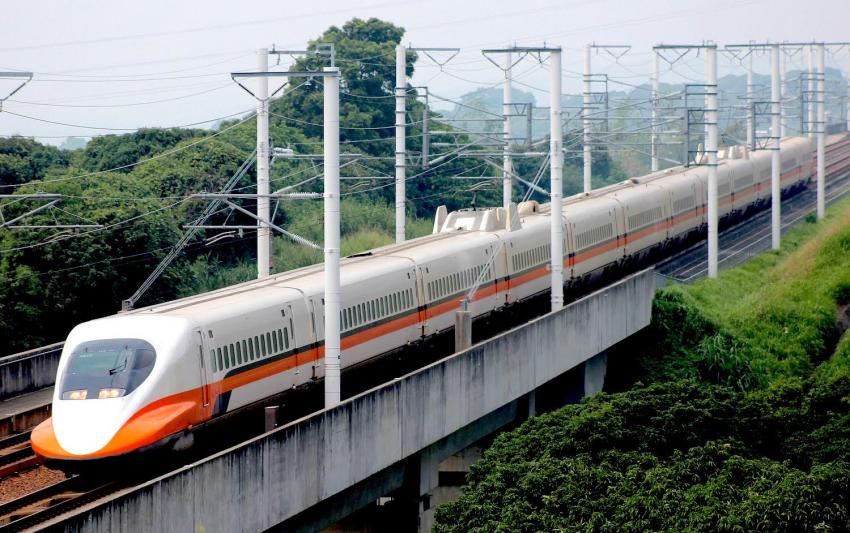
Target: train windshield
107, 369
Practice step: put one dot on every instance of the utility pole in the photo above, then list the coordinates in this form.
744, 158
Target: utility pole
775, 160
556, 187
264, 236
821, 132
333, 305
711, 151
400, 145
654, 124
585, 111
507, 160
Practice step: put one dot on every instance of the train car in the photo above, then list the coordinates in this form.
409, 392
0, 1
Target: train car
149, 378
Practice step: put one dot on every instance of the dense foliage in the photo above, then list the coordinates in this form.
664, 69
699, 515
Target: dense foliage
734, 414
673, 456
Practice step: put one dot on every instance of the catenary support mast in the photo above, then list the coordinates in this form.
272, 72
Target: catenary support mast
264, 235
556, 170
585, 111
820, 129
400, 145
775, 161
711, 152
507, 159
750, 118
654, 124
333, 305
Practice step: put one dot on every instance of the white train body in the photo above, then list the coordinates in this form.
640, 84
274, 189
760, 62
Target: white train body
219, 351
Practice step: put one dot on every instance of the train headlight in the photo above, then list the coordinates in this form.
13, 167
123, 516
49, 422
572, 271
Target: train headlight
75, 394
110, 393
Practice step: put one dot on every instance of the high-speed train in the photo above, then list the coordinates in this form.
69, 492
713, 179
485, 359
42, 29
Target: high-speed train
148, 378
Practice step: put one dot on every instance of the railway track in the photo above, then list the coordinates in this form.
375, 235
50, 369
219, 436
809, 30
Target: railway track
17, 455
52, 501
740, 242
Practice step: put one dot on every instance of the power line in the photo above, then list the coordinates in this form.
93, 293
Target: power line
123, 129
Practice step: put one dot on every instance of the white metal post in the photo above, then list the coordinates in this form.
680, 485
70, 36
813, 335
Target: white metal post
810, 108
782, 117
654, 125
507, 160
400, 145
264, 234
820, 128
775, 161
556, 187
848, 93
585, 111
711, 151
750, 125
332, 277
426, 134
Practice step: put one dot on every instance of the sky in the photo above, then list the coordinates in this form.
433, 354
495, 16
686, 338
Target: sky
116, 66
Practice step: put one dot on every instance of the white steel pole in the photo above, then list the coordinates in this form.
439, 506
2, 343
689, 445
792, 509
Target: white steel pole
654, 97
810, 108
711, 151
556, 188
332, 278
507, 160
848, 95
820, 128
782, 118
263, 204
588, 162
750, 125
400, 145
775, 161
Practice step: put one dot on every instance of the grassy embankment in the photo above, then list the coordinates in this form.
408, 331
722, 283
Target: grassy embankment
734, 413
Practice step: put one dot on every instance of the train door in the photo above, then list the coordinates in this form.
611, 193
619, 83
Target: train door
312, 325
203, 368
421, 303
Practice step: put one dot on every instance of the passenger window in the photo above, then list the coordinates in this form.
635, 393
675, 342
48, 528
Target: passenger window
280, 338
269, 342
238, 354
212, 360
263, 345
274, 339
257, 346
220, 362
286, 338
231, 355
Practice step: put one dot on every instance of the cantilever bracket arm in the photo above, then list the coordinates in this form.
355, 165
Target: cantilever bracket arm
294, 237
14, 75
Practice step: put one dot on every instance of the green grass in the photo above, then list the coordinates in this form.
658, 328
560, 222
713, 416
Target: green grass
770, 319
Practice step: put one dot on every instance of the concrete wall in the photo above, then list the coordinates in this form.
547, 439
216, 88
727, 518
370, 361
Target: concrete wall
29, 371
266, 481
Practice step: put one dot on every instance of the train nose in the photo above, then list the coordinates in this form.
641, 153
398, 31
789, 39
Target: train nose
83, 427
